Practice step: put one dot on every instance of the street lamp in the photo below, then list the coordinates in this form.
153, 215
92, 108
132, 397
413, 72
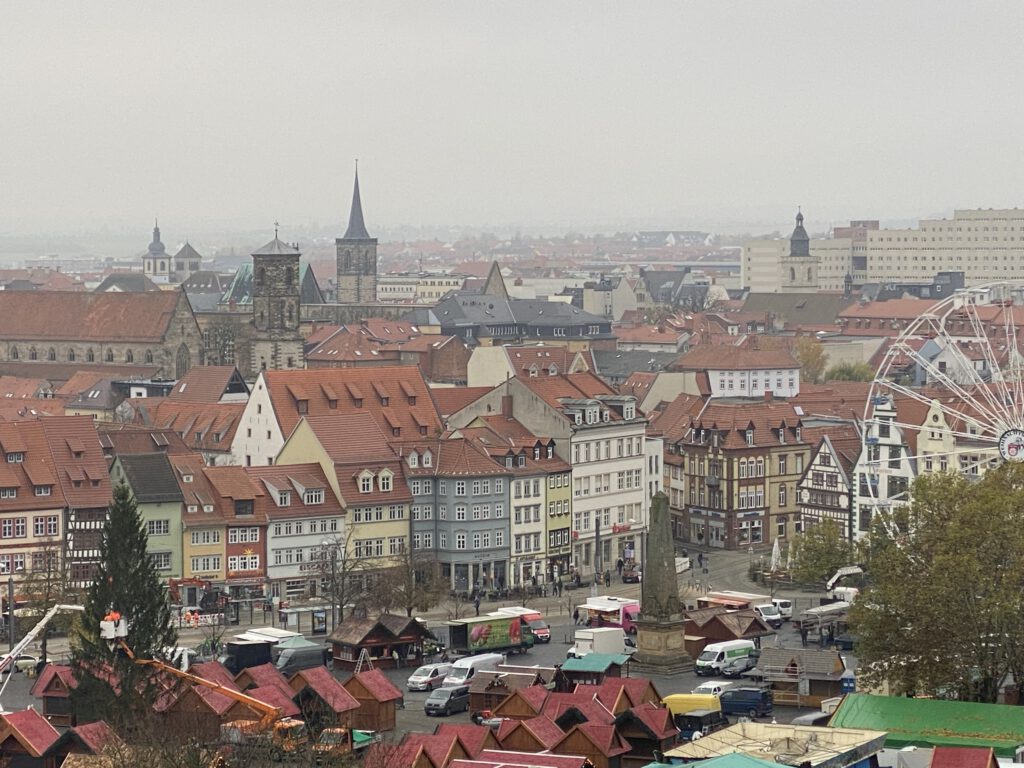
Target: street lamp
334, 575
10, 611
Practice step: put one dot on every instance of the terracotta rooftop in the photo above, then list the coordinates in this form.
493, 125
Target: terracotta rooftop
209, 384
326, 686
396, 396
31, 730
731, 358
39, 316
377, 685
453, 399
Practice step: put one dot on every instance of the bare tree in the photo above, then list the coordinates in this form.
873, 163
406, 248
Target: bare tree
46, 585
409, 584
345, 574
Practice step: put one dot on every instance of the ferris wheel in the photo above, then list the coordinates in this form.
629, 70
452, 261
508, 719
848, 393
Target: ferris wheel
948, 395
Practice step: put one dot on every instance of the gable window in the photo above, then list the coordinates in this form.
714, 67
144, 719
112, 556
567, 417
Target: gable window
366, 482
750, 437
414, 459
284, 498
384, 480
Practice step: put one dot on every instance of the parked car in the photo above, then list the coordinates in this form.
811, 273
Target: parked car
428, 677
700, 722
737, 667
632, 576
750, 701
25, 662
446, 701
714, 687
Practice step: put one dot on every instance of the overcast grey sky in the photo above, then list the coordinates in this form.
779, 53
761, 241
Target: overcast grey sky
480, 112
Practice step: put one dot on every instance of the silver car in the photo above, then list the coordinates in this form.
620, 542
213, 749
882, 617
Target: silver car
428, 677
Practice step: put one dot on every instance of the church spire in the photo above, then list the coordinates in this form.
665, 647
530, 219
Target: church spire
356, 228
799, 242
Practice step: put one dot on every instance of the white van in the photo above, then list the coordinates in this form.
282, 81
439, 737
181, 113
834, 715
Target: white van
463, 669
770, 613
714, 687
785, 607
717, 655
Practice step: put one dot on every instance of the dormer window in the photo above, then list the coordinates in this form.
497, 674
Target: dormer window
782, 435
44, 490
207, 507
629, 411
244, 508
508, 462
193, 508
384, 400
522, 459
15, 457
797, 434
284, 498
427, 458
385, 480
8, 493
578, 417
551, 451
414, 459
750, 437
536, 452
606, 416
313, 496
302, 406
366, 482
186, 478
358, 402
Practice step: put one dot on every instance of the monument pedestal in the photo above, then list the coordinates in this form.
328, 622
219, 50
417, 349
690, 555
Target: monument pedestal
660, 648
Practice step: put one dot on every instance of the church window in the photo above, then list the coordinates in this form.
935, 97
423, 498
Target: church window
71, 355
32, 354
51, 354
109, 357
291, 313
792, 275
149, 356
90, 356
129, 356
14, 353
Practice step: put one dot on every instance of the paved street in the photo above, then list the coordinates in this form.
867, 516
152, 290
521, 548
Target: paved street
726, 570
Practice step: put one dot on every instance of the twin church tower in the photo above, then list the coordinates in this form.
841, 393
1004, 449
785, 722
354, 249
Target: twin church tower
277, 289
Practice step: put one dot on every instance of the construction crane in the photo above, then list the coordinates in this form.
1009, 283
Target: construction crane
114, 629
8, 659
844, 593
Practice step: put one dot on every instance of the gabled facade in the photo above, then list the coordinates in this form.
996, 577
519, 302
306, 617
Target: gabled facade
240, 503
304, 519
601, 435
827, 487
397, 398
155, 489
204, 528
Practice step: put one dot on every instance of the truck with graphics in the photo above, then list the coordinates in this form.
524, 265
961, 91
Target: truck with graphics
490, 634
610, 611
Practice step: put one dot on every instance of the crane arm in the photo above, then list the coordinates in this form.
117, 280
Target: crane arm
269, 712
7, 659
846, 570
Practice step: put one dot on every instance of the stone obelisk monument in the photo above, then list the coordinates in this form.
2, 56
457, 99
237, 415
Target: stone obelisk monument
660, 646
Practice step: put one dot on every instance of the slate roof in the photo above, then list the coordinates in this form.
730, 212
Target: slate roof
239, 290
620, 363
127, 282
40, 316
356, 226
151, 478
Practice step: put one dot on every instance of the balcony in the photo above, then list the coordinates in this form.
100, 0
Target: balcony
713, 480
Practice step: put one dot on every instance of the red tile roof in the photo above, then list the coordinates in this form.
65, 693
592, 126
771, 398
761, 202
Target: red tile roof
732, 358
354, 390
261, 676
383, 329
55, 680
473, 737
295, 478
32, 731
437, 747
355, 439
40, 316
541, 760
203, 384
648, 334
15, 387
96, 736
657, 719
544, 729
593, 710
963, 757
571, 385
326, 686
276, 696
214, 424
377, 685
63, 434
345, 347
453, 399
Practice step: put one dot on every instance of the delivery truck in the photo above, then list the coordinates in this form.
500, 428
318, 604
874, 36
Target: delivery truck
611, 640
490, 634
610, 611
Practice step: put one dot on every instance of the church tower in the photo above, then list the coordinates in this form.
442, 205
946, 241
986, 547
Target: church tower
156, 262
799, 268
357, 257
276, 287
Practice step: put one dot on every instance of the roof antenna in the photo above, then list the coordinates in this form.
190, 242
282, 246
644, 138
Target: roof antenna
276, 225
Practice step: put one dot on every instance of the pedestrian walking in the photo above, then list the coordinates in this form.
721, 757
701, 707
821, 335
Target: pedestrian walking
396, 658
803, 636
576, 617
476, 604
619, 565
607, 577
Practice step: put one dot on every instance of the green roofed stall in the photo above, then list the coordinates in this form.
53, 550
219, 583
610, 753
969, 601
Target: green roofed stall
934, 722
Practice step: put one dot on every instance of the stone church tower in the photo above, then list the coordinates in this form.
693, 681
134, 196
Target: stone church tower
357, 257
276, 340
799, 268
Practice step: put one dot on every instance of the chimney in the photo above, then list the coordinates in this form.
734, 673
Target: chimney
506, 406
768, 396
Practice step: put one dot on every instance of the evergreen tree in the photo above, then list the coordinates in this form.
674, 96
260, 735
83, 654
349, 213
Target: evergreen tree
126, 581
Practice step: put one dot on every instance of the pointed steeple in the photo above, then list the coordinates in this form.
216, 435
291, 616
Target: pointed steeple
799, 242
356, 228
156, 248
495, 283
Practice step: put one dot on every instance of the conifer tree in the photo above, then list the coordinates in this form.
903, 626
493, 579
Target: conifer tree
126, 581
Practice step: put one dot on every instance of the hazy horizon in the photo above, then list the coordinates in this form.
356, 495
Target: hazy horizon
229, 116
